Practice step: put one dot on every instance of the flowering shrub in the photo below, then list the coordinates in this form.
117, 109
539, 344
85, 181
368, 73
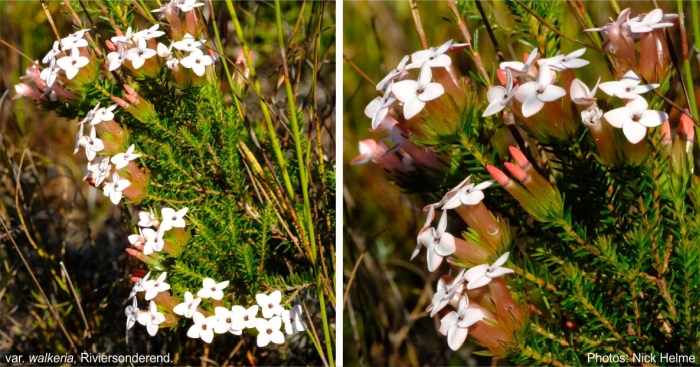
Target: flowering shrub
571, 235
233, 229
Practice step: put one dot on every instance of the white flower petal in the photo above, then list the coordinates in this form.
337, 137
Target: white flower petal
532, 105
634, 131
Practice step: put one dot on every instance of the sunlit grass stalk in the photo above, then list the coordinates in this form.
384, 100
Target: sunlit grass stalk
303, 176
265, 111
686, 62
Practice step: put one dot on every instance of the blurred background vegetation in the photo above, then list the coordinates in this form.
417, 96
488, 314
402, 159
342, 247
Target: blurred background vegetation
384, 321
53, 217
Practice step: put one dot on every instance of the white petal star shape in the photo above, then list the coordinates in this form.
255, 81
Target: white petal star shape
467, 195
151, 319
655, 19
203, 327
482, 275
269, 331
563, 62
153, 287
292, 320
627, 87
521, 69
438, 243
132, 314
535, 94
580, 94
394, 74
634, 119
114, 189
456, 324
499, 97
122, 160
72, 64
197, 61
172, 218
270, 304
188, 306
434, 56
415, 94
212, 289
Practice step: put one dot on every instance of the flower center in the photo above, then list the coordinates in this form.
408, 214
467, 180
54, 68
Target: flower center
204, 327
228, 320
635, 118
245, 318
213, 289
269, 331
270, 306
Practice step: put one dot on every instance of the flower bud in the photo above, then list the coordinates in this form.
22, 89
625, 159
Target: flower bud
113, 136
495, 231
655, 59
139, 178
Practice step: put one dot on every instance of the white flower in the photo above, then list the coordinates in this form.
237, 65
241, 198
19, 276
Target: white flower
378, 109
450, 194
153, 287
132, 314
535, 94
154, 241
439, 243
116, 59
653, 20
188, 5
481, 275
563, 62
499, 97
99, 171
164, 51
147, 219
591, 116
188, 43
52, 53
103, 114
226, 320
72, 64
197, 61
122, 39
92, 144
445, 292
434, 57
172, 63
425, 230
149, 33
203, 327
188, 307
50, 73
467, 195
115, 188
138, 285
634, 119
212, 289
580, 94
172, 218
414, 94
628, 87
137, 240
248, 315
269, 331
399, 71
74, 41
140, 53
151, 319
121, 160
292, 320
456, 324
270, 304
621, 20
518, 68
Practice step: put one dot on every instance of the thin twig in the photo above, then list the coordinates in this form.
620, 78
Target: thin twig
77, 299
357, 69
467, 37
352, 277
419, 25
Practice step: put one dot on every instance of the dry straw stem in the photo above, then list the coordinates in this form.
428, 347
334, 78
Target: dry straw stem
24, 261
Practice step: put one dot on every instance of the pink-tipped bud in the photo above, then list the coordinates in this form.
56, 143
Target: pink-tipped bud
129, 90
516, 171
131, 98
519, 157
685, 128
502, 77
666, 132
110, 46
498, 175
137, 273
120, 102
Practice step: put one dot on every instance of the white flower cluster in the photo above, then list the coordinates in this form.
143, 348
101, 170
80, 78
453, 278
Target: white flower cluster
100, 167
71, 59
223, 320
150, 240
135, 48
440, 244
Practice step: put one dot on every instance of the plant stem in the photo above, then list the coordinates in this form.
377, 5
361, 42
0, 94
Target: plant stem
690, 88
303, 176
263, 106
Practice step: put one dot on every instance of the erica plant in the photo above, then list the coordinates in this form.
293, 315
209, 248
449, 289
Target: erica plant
560, 166
230, 190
